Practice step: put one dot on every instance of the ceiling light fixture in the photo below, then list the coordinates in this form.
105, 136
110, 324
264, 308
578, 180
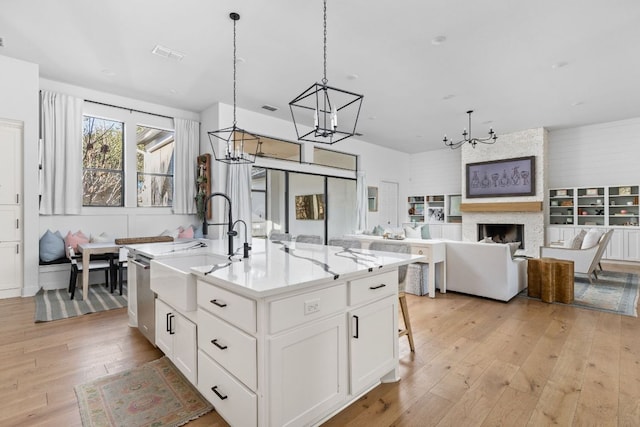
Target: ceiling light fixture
233, 137
466, 137
320, 105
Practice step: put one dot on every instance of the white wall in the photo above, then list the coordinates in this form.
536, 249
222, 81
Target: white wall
19, 101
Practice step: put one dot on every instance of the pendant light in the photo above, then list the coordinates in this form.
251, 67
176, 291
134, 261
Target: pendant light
237, 141
321, 107
466, 137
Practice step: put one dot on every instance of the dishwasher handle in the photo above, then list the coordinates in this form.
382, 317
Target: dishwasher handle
139, 264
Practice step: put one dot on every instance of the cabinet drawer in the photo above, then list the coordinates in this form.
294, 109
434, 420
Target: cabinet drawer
425, 251
298, 309
229, 346
373, 287
233, 401
233, 308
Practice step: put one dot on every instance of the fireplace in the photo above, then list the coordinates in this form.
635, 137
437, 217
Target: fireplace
502, 233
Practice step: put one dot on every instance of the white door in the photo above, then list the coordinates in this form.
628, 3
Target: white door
185, 347
10, 208
388, 203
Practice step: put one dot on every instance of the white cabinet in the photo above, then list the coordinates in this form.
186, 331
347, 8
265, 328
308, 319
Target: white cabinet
176, 337
373, 328
560, 234
615, 248
10, 208
632, 245
308, 370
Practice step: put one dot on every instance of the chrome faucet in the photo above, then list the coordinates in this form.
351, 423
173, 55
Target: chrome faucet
246, 247
205, 224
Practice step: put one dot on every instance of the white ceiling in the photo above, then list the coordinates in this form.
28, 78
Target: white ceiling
497, 59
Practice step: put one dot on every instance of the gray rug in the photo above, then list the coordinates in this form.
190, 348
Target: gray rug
613, 292
55, 304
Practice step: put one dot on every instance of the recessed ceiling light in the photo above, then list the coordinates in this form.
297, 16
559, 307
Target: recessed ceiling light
240, 60
559, 65
108, 72
372, 117
165, 52
577, 103
438, 40
173, 91
446, 97
352, 76
486, 122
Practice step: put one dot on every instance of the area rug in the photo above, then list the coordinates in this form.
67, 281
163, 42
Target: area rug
55, 304
613, 292
155, 394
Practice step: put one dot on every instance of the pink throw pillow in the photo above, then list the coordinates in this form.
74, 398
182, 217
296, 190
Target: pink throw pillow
186, 233
74, 240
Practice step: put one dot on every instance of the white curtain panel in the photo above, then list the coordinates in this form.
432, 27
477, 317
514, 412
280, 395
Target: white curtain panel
61, 129
363, 204
186, 149
239, 191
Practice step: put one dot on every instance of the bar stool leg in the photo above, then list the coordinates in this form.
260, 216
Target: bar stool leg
405, 318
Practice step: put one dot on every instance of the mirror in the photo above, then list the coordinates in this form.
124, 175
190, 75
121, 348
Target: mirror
372, 198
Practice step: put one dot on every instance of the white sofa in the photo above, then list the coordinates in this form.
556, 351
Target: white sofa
485, 269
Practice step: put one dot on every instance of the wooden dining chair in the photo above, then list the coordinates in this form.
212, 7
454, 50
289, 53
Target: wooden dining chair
76, 267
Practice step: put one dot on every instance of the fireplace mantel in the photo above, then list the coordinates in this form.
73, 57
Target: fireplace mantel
502, 207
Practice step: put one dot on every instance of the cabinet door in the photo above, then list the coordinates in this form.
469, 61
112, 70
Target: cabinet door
10, 223
10, 266
185, 348
308, 369
632, 245
615, 248
165, 327
10, 162
373, 342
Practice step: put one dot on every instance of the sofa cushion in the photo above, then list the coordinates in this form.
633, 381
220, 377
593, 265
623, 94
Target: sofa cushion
51, 246
513, 247
591, 238
424, 231
576, 242
101, 238
74, 240
413, 233
186, 233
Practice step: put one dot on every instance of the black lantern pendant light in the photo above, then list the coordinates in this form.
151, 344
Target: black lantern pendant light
466, 137
236, 140
322, 105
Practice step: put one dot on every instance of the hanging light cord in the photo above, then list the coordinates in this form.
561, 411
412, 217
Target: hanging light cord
234, 71
324, 79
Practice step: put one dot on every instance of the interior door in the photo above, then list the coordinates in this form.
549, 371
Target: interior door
388, 203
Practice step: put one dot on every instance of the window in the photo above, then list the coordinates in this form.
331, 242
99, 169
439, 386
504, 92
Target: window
334, 159
102, 162
154, 158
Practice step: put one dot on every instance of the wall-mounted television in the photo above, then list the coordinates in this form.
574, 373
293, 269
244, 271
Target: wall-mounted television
310, 206
502, 178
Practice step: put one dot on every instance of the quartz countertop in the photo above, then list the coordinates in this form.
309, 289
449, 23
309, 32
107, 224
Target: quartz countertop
275, 267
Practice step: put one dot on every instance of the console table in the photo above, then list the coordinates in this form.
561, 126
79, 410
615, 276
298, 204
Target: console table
433, 250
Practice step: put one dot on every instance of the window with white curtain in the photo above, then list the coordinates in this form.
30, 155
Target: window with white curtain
154, 158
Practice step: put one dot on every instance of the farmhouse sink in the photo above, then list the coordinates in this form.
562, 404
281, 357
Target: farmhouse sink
172, 280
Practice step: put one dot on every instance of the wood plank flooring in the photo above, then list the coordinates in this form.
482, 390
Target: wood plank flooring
477, 363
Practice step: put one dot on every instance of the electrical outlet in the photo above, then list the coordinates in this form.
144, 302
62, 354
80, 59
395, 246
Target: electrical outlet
311, 306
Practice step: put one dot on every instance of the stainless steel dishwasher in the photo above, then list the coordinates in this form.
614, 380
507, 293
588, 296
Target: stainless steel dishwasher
146, 298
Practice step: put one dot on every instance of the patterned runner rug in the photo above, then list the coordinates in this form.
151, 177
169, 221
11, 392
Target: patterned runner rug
613, 292
154, 394
55, 304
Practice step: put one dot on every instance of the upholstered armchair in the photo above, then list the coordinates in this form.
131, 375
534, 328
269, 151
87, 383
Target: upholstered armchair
585, 261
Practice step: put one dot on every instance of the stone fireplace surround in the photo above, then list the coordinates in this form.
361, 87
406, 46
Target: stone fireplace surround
502, 233
531, 142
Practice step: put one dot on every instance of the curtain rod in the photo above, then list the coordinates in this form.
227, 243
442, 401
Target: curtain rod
131, 110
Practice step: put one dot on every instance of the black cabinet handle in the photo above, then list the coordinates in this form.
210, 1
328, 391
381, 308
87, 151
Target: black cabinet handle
221, 347
168, 322
221, 396
357, 335
382, 285
219, 304
171, 329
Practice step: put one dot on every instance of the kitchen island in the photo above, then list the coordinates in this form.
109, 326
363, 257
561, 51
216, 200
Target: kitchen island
289, 336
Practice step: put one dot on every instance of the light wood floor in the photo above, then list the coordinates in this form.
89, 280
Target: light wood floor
477, 362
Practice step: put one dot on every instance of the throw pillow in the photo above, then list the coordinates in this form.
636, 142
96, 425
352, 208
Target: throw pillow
378, 230
487, 239
186, 233
576, 242
197, 231
591, 239
101, 238
413, 233
73, 240
424, 231
172, 233
51, 246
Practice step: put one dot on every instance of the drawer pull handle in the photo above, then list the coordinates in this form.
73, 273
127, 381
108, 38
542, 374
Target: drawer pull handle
357, 334
381, 285
168, 322
171, 327
221, 396
221, 347
420, 252
219, 304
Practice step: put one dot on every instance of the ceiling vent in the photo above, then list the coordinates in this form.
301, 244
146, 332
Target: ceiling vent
1, 42
269, 107
165, 52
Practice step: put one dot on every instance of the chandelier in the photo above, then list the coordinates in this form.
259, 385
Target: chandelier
322, 105
466, 137
237, 141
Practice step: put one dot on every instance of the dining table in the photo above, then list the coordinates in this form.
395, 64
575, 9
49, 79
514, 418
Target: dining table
89, 249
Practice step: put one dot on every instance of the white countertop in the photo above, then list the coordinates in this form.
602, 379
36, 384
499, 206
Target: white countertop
275, 267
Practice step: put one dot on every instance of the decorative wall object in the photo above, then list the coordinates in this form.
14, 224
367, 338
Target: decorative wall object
501, 178
203, 182
310, 207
